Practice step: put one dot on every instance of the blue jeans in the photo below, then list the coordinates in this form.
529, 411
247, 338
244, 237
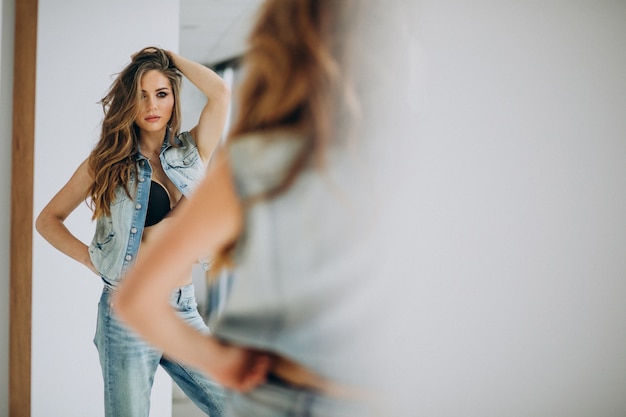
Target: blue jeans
277, 398
129, 363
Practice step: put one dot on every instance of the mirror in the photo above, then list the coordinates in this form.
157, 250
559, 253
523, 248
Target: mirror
66, 62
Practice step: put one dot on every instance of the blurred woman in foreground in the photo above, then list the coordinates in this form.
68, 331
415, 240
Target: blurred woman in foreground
288, 203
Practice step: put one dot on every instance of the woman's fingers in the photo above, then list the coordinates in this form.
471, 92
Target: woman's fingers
257, 372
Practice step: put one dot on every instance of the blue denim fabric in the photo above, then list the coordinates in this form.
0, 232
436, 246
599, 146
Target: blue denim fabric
277, 398
117, 237
129, 363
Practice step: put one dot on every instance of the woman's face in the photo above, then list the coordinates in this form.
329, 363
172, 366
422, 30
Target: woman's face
157, 102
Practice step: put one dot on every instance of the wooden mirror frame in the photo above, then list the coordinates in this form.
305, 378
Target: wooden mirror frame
22, 164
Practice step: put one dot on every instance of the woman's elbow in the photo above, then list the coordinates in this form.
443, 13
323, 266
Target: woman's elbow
39, 224
42, 223
221, 94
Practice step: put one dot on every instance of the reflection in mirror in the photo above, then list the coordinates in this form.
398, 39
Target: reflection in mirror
66, 378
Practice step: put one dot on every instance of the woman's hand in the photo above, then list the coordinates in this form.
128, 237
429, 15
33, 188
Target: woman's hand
239, 368
149, 49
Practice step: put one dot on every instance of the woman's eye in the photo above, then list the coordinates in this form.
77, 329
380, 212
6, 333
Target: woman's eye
162, 94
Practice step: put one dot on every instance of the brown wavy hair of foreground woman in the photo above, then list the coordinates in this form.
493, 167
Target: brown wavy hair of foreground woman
112, 161
296, 68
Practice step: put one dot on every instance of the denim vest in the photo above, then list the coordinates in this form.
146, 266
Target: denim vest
117, 237
303, 276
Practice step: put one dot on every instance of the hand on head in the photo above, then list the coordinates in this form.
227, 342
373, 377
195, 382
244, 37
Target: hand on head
149, 50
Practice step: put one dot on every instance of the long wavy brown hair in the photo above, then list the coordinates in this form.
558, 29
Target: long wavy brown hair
296, 68
297, 78
112, 162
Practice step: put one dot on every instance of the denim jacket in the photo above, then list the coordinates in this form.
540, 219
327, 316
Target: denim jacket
117, 237
303, 285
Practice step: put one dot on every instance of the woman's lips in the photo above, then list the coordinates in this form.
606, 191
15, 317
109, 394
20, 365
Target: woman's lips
152, 119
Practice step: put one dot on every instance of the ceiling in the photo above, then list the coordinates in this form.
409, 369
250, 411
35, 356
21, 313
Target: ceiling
213, 31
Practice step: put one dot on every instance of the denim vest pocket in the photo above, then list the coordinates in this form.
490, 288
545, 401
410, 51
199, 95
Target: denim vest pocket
101, 245
181, 158
184, 167
105, 246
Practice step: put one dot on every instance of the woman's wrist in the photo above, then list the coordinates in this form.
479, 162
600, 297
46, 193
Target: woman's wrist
87, 259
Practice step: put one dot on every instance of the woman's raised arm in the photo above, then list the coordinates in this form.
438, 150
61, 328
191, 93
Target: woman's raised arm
210, 127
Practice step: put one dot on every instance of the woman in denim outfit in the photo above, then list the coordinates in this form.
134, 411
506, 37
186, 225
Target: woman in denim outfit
139, 173
289, 202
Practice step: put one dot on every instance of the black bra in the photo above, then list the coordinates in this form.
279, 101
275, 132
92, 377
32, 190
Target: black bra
158, 204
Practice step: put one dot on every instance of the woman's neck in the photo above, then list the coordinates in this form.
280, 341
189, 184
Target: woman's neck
151, 143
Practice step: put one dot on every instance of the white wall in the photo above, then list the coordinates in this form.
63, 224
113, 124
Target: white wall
508, 263
508, 273
7, 11
81, 46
